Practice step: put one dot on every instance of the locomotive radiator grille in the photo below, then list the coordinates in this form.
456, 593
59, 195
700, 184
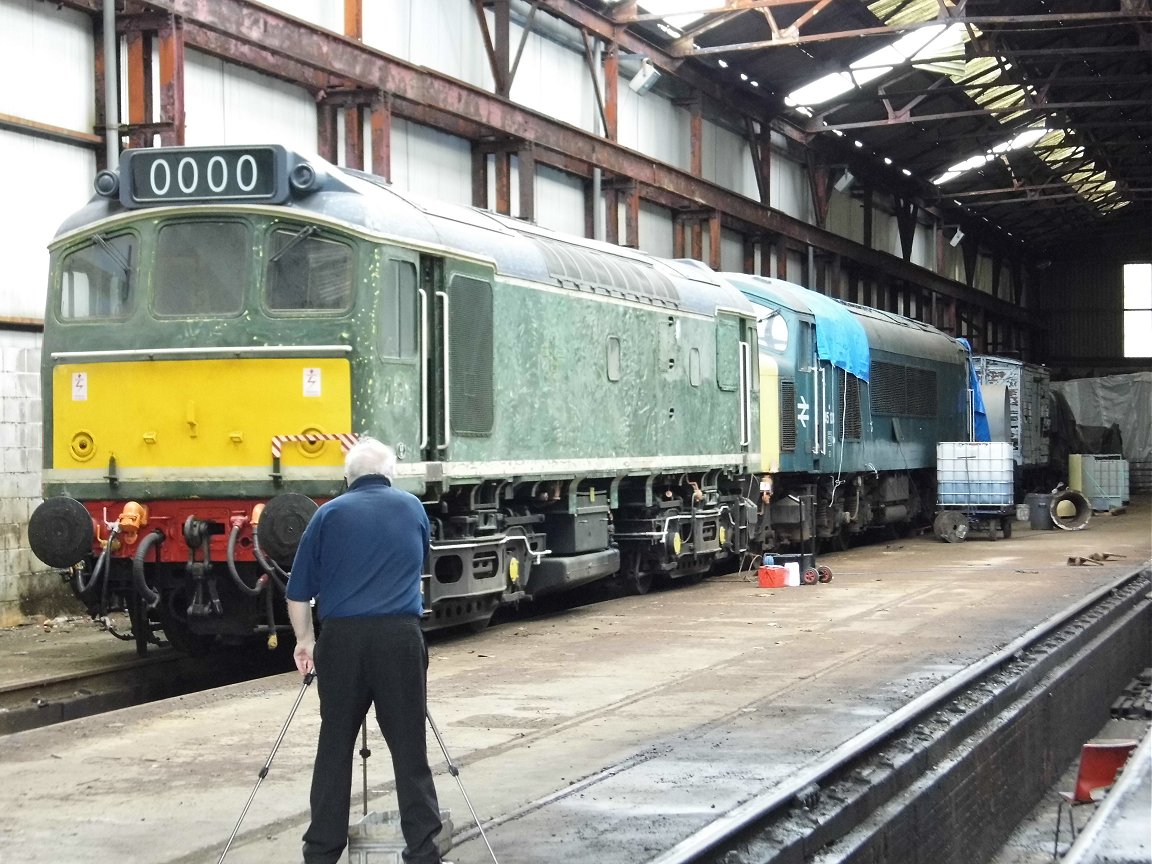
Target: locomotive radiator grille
787, 415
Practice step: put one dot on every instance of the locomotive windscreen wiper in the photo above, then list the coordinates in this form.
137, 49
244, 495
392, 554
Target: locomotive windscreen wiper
302, 234
115, 254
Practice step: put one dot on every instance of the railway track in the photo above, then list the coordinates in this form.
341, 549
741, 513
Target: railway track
120, 684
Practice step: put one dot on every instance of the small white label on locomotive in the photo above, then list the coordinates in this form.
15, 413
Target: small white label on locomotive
79, 386
312, 384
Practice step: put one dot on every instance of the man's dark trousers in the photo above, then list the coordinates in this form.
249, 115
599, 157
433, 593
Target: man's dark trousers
377, 660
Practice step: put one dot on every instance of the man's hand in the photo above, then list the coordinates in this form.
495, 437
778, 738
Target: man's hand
300, 614
303, 655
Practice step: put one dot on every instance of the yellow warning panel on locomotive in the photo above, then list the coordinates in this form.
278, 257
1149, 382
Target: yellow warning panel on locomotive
198, 413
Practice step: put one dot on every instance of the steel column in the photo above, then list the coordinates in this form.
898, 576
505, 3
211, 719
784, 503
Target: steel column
381, 125
526, 163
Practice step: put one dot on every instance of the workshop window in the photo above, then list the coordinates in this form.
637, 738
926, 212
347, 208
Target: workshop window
1138, 310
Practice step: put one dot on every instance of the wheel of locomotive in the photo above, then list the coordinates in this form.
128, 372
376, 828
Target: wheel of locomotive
640, 583
950, 526
810, 576
840, 540
825, 573
1006, 526
174, 623
635, 582
478, 625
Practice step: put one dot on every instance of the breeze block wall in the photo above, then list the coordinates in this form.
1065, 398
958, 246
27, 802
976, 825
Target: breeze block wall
26, 585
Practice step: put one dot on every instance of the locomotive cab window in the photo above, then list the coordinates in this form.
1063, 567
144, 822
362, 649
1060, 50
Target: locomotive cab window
773, 332
307, 272
201, 268
99, 279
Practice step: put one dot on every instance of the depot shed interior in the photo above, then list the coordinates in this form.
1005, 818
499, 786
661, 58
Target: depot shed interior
980, 167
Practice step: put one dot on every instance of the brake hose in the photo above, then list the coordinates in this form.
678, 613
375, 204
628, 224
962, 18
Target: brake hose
147, 594
231, 561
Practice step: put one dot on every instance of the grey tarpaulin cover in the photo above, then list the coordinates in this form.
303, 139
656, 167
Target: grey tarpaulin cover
1124, 400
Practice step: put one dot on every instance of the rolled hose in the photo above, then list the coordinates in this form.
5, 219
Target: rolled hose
147, 594
261, 583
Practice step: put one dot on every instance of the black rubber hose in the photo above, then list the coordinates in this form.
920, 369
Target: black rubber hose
147, 594
231, 561
270, 567
79, 585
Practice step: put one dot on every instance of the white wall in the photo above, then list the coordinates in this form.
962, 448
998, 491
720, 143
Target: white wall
56, 181
431, 163
227, 104
34, 89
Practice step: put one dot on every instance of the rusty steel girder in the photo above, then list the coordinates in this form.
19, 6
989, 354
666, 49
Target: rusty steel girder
276, 44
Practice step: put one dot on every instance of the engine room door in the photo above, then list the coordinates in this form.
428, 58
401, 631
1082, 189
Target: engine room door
459, 398
394, 388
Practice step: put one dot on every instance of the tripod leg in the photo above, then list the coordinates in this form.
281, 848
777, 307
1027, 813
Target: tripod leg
268, 764
455, 772
364, 754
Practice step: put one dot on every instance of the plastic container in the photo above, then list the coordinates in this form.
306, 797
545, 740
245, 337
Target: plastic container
1104, 480
975, 474
773, 576
376, 839
1039, 511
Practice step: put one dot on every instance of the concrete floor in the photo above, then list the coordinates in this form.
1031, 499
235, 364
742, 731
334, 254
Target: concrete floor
599, 733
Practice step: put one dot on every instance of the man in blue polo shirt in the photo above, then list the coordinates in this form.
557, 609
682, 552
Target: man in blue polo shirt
361, 558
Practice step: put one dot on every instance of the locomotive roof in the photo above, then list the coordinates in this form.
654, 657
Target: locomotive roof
524, 250
886, 331
518, 249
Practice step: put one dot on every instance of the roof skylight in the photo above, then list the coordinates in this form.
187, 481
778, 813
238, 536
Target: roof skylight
928, 43
678, 13
939, 47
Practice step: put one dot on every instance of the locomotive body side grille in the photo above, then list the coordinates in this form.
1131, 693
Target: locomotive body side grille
851, 420
905, 391
787, 415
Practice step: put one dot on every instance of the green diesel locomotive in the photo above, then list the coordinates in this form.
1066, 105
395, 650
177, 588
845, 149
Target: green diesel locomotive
222, 322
